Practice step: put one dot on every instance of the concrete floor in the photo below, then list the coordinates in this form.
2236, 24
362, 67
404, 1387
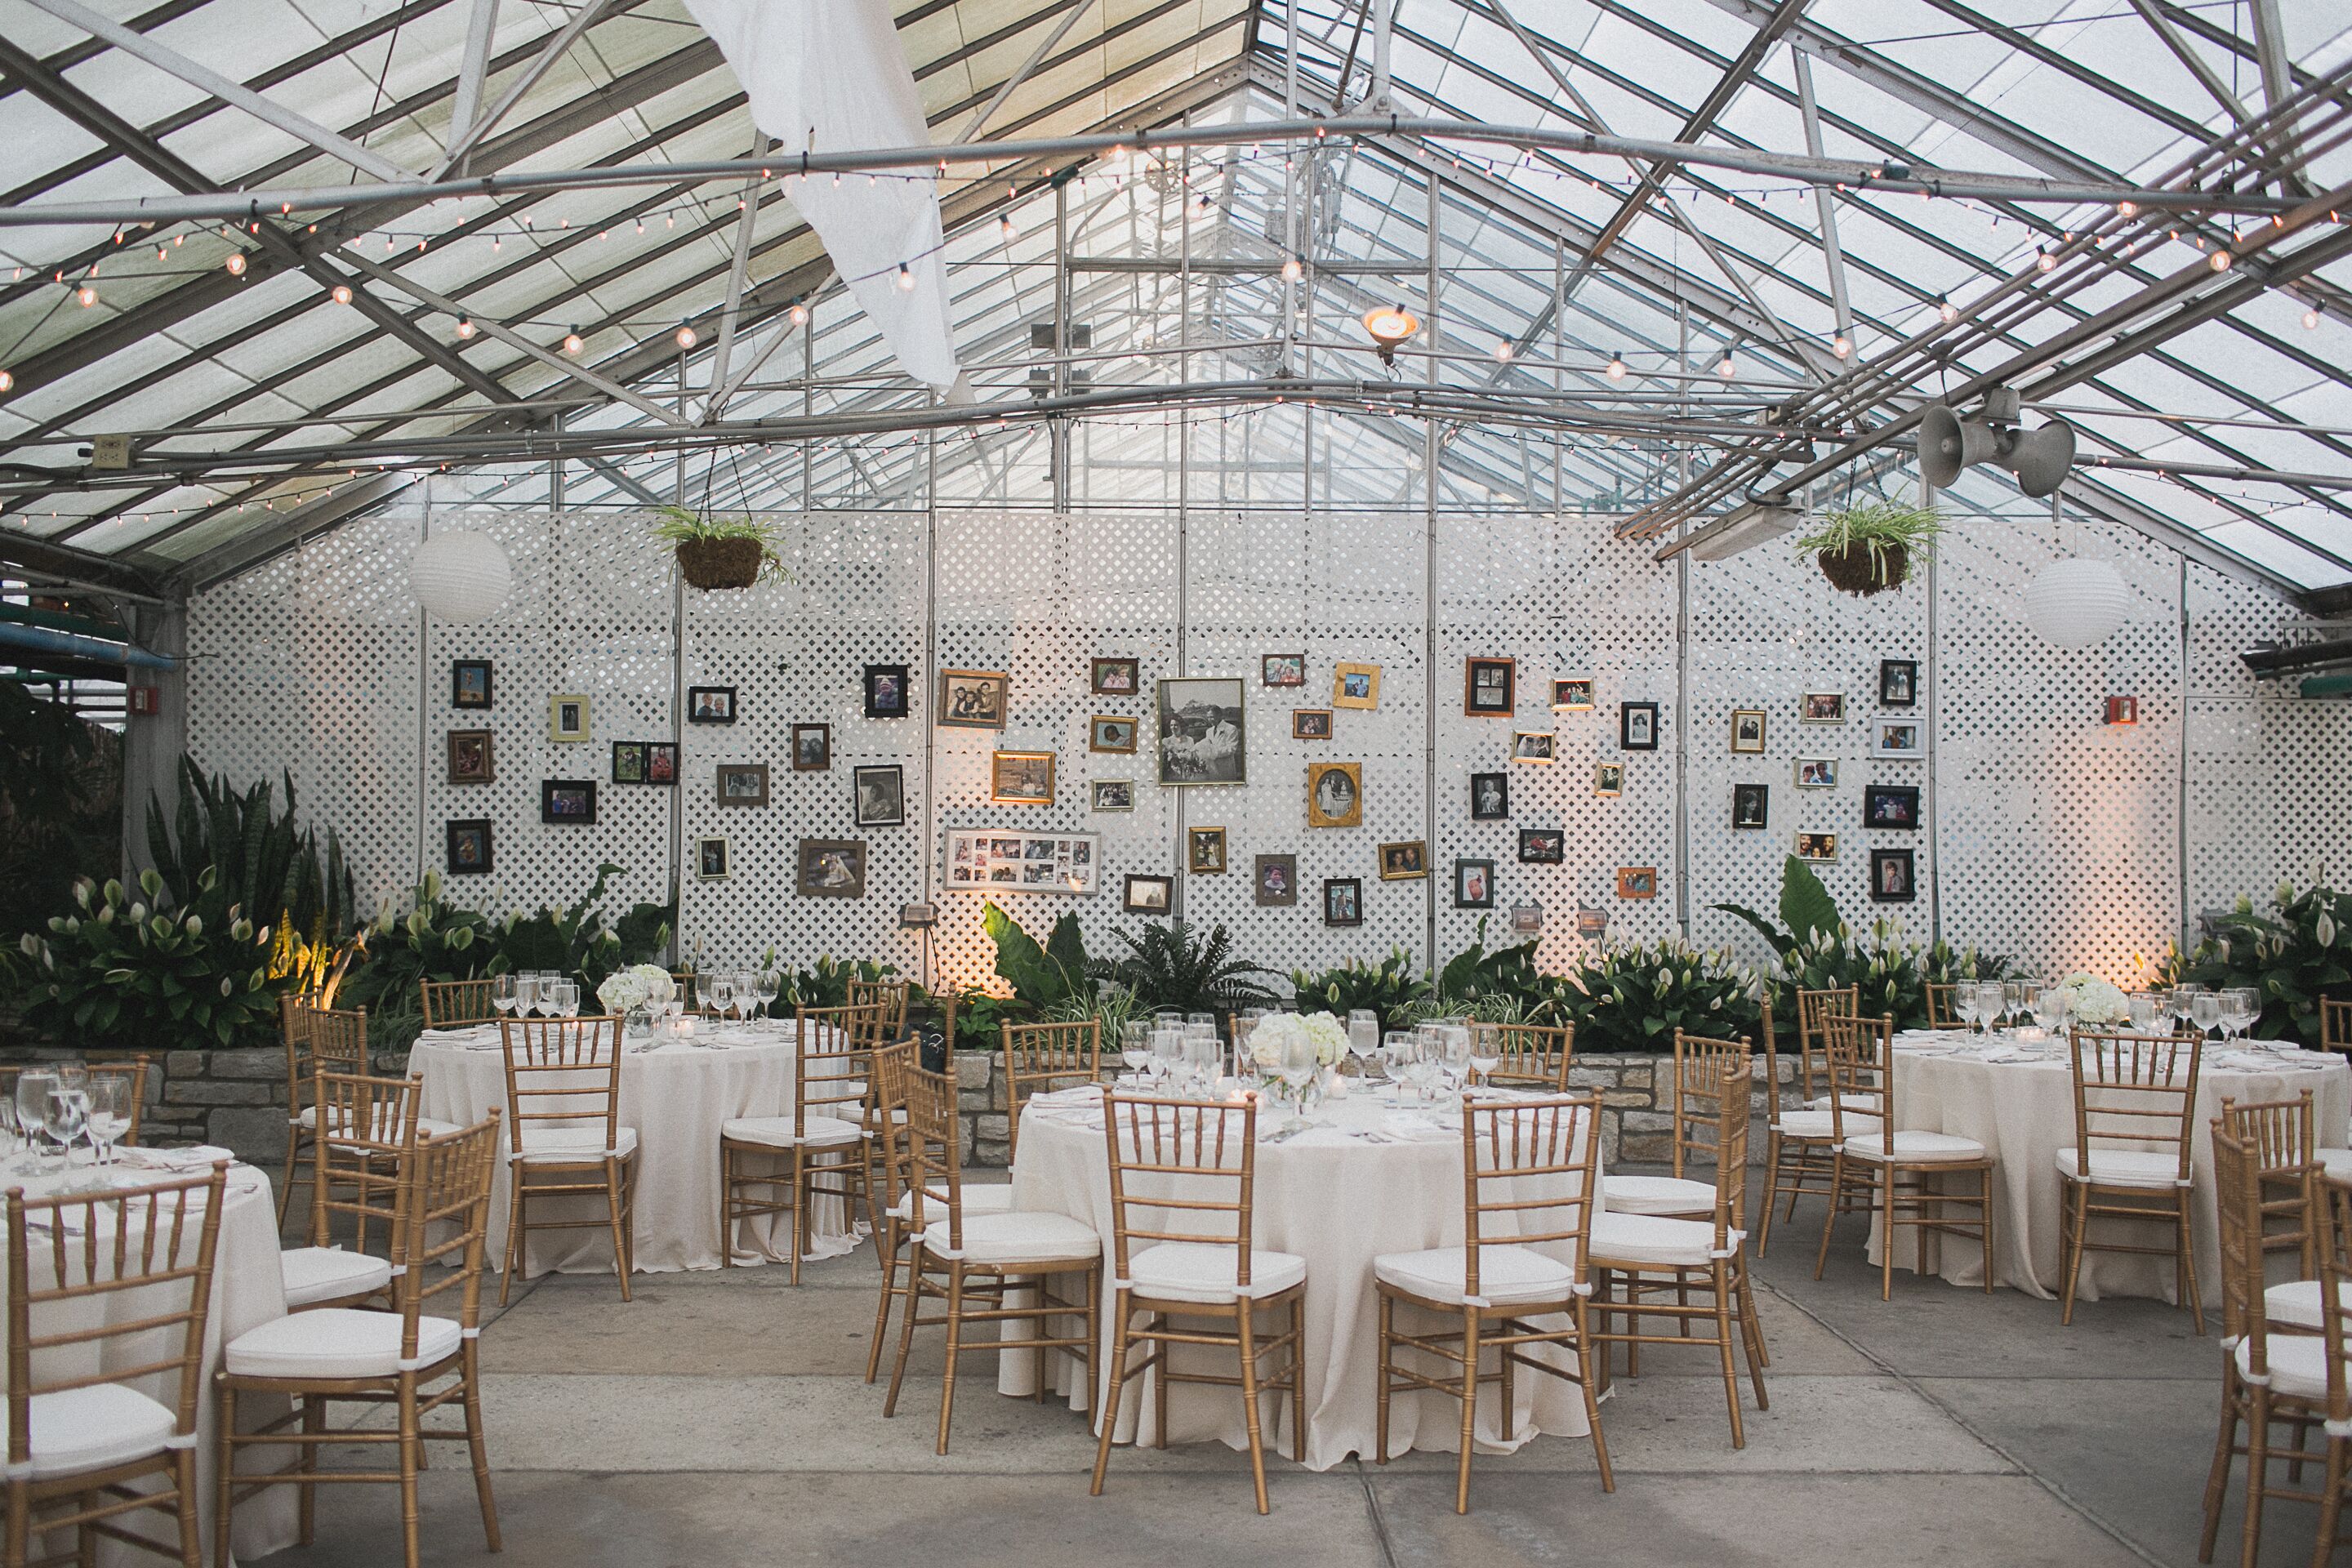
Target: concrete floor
723, 1419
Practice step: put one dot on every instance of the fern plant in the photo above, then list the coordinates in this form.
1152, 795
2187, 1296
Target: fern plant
1170, 966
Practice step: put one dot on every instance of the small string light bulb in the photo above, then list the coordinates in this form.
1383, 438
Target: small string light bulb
1291, 271
1503, 353
1841, 346
1616, 366
1005, 227
2128, 209
1727, 368
799, 313
1946, 309
466, 326
87, 295
905, 279
7, 381
2221, 260
341, 293
2047, 261
2310, 319
573, 342
236, 263
685, 338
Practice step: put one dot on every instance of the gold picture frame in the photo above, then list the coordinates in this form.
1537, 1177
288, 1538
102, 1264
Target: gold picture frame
1021, 778
568, 717
1356, 686
1335, 795
1205, 851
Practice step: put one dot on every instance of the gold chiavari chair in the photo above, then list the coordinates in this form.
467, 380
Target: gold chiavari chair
2334, 1025
1703, 1070
1529, 1169
125, 1275
563, 1102
1654, 1253
1799, 1142
891, 995
1171, 1164
318, 1039
448, 1003
1813, 1010
1040, 1057
1942, 1013
1532, 1055
1900, 1175
2334, 1224
369, 1127
2280, 1140
967, 1262
378, 1359
821, 1149
2135, 1097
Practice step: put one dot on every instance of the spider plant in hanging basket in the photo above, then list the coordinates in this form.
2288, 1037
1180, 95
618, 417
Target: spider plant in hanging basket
716, 553
1868, 549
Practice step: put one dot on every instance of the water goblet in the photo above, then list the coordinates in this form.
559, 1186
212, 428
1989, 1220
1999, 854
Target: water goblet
2184, 1002
2143, 1010
766, 987
2012, 998
66, 1114
1135, 1046
1363, 1039
33, 1087
1964, 1004
1298, 1066
1988, 1004
2205, 1012
2050, 1008
1167, 1051
108, 1114
502, 993
1485, 1050
719, 994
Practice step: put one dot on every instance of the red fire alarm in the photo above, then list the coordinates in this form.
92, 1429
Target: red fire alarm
2122, 710
147, 701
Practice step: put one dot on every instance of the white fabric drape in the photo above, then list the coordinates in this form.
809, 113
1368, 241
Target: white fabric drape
829, 76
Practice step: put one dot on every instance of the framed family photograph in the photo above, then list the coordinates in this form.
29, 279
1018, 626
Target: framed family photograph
710, 863
710, 705
1111, 732
1113, 795
1751, 806
971, 699
1149, 895
1474, 884
469, 683
1637, 726
1335, 795
1890, 806
470, 757
1355, 685
1006, 860
1205, 851
1608, 778
879, 795
1818, 848
1571, 694
1527, 920
1203, 739
628, 762
567, 717
830, 868
1310, 723
1490, 687
571, 802
1821, 708
1898, 683
1115, 676
1490, 797
1747, 732
812, 748
1637, 881
1531, 746
1894, 877
1021, 778
1904, 740
1343, 900
1404, 861
645, 762
1817, 773
886, 691
1282, 669
466, 844
1273, 880
742, 783
1543, 846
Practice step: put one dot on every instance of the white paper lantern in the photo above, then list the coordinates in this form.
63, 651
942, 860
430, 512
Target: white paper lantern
460, 577
2076, 603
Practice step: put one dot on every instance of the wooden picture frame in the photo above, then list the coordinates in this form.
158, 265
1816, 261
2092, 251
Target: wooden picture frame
1282, 669
472, 757
1113, 733
973, 700
1490, 687
829, 868
1343, 900
568, 720
1637, 882
1115, 676
710, 860
1273, 881
1021, 778
1404, 861
1356, 686
812, 748
741, 783
1748, 730
1205, 851
1310, 723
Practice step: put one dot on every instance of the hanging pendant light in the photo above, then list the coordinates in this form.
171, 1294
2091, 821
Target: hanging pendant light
2074, 603
460, 577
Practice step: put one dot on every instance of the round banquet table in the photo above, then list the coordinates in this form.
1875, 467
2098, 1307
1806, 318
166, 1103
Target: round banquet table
2017, 1098
248, 1290
677, 1096
1381, 1181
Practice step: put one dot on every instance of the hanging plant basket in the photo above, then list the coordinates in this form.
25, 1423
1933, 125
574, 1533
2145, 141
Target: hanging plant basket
715, 564
1867, 549
1862, 571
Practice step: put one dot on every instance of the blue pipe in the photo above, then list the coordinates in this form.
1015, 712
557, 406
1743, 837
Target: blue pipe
41, 639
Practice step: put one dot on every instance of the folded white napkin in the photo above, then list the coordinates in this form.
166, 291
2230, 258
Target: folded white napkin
199, 1158
1081, 1094
1419, 1126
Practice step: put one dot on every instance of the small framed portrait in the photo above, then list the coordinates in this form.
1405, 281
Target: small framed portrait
1282, 669
1114, 794
1637, 726
1021, 778
1531, 746
742, 783
1205, 851
1637, 881
1274, 878
971, 699
471, 755
1203, 739
877, 795
1898, 683
466, 843
1490, 687
1527, 920
830, 868
1748, 731
571, 802
1335, 795
469, 683
886, 691
1149, 895
1109, 732
1343, 900
1820, 848
812, 748
628, 762
1474, 884
1490, 797
1571, 694
1310, 723
1355, 685
1115, 676
1817, 773
710, 705
1751, 806
1894, 877
1821, 708
1542, 847
2122, 710
1608, 778
567, 717
661, 762
1890, 806
710, 859
1404, 861
1901, 739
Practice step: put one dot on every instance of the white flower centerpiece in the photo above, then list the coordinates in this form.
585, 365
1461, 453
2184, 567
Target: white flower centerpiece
633, 992
2091, 1000
1296, 1048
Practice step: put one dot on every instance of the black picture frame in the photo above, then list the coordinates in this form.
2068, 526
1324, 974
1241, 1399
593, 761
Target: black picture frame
1490, 797
464, 691
661, 763
877, 795
568, 803
1641, 736
1490, 687
1894, 877
1474, 894
887, 691
1543, 846
1310, 723
1892, 808
1751, 806
1898, 683
629, 762
710, 705
1343, 900
1149, 895
468, 845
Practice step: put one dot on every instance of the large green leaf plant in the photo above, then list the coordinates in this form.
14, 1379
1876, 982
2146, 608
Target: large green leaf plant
2293, 957
130, 969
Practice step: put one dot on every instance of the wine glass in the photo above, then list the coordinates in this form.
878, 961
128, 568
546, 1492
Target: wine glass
1485, 1049
526, 992
1135, 1046
2205, 1012
2184, 1002
1964, 1003
1363, 1039
33, 1087
2050, 1008
2144, 1009
67, 1113
718, 992
765, 987
502, 993
108, 1114
1988, 1004
1167, 1051
1298, 1066
2012, 998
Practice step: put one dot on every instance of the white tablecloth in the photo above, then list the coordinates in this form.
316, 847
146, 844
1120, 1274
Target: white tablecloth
676, 1097
1337, 1200
2023, 1111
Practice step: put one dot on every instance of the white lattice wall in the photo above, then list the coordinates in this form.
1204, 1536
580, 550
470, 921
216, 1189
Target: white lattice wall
2048, 834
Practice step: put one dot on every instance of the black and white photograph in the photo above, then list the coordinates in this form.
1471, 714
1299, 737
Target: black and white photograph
1571, 694
886, 691
1898, 683
1751, 806
1113, 795
1205, 851
1115, 676
1202, 735
1021, 778
1149, 895
1609, 779
567, 717
469, 683
1335, 795
1817, 773
1110, 732
710, 705
1890, 805
1894, 877
1310, 723
570, 803
1490, 797
1489, 688
1900, 740
1747, 732
878, 795
1637, 726
742, 783
830, 868
710, 859
466, 841
971, 699
1343, 900
1474, 884
1543, 846
1273, 880
1404, 859
812, 748
1532, 745
1282, 669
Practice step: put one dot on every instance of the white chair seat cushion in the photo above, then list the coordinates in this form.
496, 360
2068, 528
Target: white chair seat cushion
90, 1428
1912, 1146
1657, 1194
2298, 1363
2296, 1303
2124, 1167
1655, 1241
1200, 1271
336, 1342
573, 1145
315, 1274
385, 1129
1861, 1104
995, 1197
777, 1131
1810, 1124
1014, 1237
2336, 1163
1505, 1274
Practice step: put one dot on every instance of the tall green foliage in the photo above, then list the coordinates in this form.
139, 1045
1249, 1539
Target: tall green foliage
259, 863
60, 809
1171, 965
1634, 997
1042, 977
128, 969
2295, 956
1389, 988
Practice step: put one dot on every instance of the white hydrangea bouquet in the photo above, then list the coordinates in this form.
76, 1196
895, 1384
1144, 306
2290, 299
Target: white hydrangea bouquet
1271, 1040
640, 985
2091, 1000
